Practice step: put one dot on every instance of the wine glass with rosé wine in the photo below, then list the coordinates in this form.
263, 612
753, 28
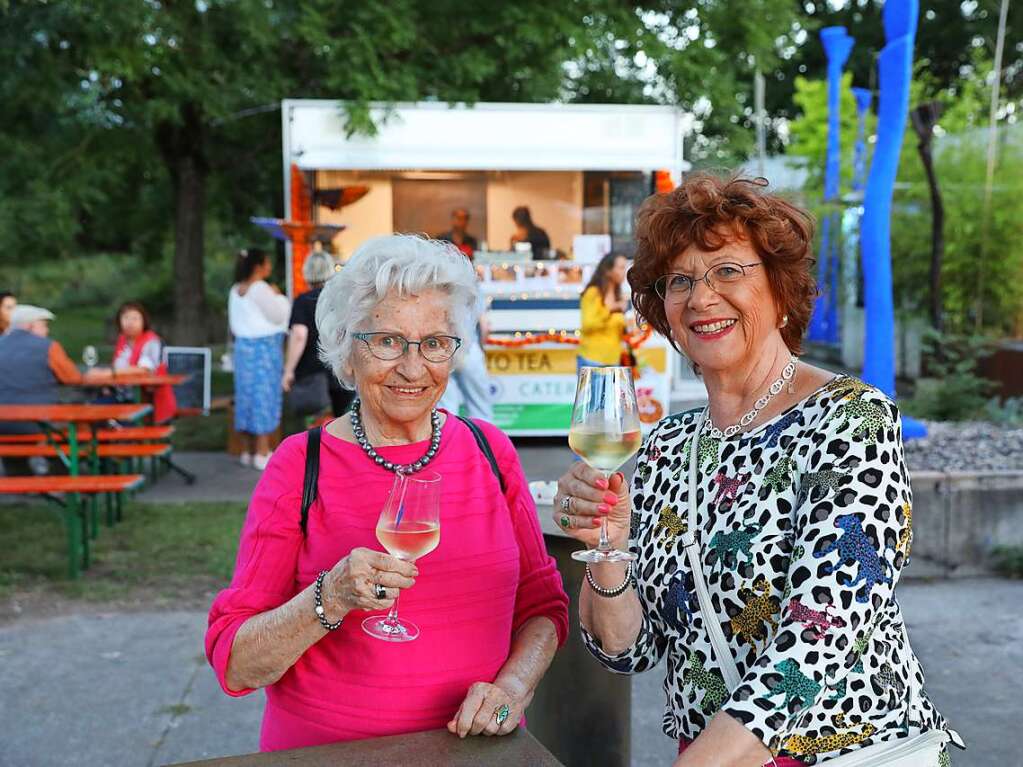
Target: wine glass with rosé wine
605, 433
409, 528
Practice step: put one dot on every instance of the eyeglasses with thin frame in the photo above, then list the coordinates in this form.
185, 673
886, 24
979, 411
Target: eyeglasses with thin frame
678, 287
392, 346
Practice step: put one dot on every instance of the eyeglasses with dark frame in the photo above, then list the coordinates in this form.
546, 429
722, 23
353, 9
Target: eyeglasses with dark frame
677, 287
392, 346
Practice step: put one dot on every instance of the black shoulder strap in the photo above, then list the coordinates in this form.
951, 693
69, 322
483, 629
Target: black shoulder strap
484, 445
312, 473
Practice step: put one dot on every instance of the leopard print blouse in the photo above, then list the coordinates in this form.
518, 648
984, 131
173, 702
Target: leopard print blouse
805, 525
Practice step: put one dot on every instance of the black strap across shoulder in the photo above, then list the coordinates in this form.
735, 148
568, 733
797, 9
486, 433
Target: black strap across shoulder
312, 474
484, 445
312, 465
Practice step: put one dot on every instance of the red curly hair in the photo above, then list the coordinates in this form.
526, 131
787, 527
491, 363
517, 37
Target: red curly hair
710, 211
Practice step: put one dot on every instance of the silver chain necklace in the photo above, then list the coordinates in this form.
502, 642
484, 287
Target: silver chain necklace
786, 375
379, 460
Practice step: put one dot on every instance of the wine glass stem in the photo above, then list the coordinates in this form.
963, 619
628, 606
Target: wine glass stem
392, 614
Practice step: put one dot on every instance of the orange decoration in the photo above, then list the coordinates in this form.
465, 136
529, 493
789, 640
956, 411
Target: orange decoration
662, 181
301, 212
634, 342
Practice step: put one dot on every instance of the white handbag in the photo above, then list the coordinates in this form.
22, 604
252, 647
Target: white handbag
920, 749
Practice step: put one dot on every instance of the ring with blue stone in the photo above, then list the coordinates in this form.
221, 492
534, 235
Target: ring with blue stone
501, 712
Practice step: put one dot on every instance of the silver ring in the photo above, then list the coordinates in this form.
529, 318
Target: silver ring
379, 591
566, 503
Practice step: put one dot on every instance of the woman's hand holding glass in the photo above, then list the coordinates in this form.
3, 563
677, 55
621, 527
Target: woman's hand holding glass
351, 583
592, 497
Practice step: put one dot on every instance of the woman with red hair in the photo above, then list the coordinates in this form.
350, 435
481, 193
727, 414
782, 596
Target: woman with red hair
769, 527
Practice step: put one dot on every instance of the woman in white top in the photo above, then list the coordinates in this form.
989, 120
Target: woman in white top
258, 315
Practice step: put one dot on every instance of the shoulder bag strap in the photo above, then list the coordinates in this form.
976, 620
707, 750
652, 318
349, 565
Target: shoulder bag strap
484, 445
710, 618
312, 474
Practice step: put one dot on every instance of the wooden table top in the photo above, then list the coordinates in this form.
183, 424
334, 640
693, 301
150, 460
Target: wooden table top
135, 379
437, 748
73, 413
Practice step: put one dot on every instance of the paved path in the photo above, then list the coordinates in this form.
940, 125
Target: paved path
133, 689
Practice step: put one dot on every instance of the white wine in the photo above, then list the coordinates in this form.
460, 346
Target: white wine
411, 540
604, 450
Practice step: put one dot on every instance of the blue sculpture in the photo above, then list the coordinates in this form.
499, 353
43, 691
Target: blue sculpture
824, 322
895, 73
863, 99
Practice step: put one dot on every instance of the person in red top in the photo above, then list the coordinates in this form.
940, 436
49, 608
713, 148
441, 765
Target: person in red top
459, 235
138, 348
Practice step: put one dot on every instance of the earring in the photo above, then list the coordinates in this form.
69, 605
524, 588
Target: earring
784, 320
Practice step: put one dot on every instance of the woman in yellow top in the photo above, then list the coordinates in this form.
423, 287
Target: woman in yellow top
603, 314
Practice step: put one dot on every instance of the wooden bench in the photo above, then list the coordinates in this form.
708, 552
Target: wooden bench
136, 434
127, 434
110, 450
75, 518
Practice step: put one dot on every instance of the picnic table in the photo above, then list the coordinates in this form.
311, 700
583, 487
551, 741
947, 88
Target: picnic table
52, 417
135, 381
419, 749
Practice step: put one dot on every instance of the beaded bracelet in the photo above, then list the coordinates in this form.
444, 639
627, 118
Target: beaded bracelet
319, 605
600, 591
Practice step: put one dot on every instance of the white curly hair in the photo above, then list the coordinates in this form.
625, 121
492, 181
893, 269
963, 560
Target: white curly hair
402, 263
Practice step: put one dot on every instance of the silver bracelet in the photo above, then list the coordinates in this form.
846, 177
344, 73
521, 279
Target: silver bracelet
618, 590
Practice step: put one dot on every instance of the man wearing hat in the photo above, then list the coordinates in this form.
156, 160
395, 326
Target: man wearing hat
32, 365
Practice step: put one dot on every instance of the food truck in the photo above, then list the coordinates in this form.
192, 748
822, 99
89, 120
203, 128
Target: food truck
582, 171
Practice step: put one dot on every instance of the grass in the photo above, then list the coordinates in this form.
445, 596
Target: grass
79, 326
160, 555
1008, 561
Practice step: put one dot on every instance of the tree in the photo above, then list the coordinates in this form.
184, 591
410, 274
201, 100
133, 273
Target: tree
138, 121
809, 132
923, 118
949, 37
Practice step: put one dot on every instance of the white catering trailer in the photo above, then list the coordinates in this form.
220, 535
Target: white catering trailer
582, 170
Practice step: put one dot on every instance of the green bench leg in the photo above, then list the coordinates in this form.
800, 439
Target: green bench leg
94, 515
76, 521
108, 503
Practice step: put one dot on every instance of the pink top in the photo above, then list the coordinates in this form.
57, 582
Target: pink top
489, 575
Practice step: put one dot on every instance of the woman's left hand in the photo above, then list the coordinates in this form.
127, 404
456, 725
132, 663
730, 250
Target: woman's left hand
479, 711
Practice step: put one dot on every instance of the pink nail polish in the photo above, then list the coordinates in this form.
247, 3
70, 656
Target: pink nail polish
596, 523
602, 483
610, 498
604, 508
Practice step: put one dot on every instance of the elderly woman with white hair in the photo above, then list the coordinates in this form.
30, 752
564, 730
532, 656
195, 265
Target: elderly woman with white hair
488, 601
308, 382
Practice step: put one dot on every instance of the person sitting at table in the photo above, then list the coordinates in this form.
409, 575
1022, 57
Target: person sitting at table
488, 601
32, 368
527, 231
138, 348
7, 303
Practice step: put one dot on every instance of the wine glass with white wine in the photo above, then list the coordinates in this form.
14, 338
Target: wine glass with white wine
605, 433
409, 528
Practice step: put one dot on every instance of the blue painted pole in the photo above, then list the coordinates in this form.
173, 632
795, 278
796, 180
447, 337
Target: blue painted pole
895, 74
863, 100
824, 322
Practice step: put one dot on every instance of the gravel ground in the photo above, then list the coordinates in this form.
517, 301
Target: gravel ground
966, 446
